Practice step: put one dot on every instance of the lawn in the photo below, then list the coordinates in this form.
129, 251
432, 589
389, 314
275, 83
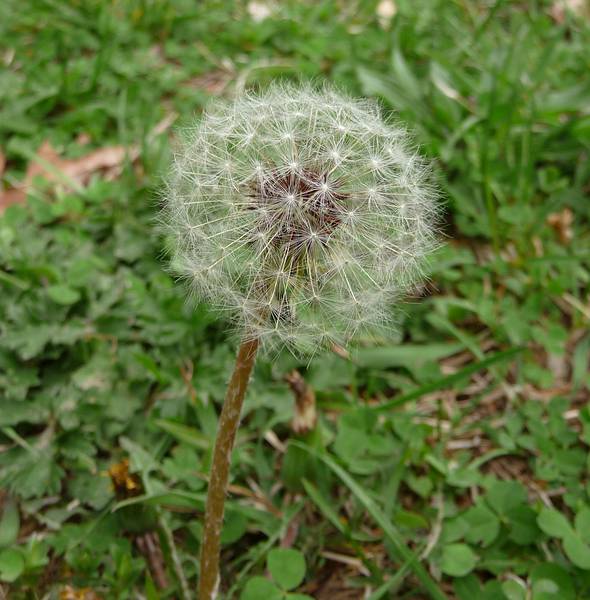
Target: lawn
460, 444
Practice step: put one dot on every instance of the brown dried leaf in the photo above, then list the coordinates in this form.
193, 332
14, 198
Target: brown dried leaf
562, 222
164, 124
149, 545
560, 8
386, 10
45, 155
80, 169
77, 171
83, 139
10, 197
290, 536
305, 416
69, 592
340, 351
213, 82
332, 583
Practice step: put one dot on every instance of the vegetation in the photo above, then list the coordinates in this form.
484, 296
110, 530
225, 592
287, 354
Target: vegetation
460, 446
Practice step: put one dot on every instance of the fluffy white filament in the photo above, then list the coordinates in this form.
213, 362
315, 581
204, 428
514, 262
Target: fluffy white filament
300, 214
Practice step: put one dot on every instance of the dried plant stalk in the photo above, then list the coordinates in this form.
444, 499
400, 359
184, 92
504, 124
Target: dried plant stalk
305, 415
224, 443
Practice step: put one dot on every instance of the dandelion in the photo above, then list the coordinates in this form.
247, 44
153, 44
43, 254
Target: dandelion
302, 216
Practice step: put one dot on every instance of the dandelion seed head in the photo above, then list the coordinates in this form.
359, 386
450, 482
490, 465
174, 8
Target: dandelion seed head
300, 214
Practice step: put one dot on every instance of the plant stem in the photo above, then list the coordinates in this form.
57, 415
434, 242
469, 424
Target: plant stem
218, 481
176, 562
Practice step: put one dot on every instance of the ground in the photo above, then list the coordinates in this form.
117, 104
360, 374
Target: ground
460, 445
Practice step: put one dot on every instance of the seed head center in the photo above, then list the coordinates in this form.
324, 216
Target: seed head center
300, 208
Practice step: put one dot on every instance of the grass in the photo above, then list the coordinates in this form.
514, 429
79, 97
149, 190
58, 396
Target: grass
467, 435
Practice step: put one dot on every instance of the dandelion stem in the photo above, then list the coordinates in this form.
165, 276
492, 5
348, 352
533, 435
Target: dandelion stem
218, 481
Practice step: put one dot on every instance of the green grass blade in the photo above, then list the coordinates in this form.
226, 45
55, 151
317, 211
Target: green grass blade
392, 583
379, 517
289, 515
328, 512
448, 381
184, 433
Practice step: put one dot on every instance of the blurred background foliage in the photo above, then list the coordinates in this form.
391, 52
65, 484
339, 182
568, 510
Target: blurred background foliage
465, 439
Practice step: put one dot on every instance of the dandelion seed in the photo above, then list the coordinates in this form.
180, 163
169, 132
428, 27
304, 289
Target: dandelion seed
301, 214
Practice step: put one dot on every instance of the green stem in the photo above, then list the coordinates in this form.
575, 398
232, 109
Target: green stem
218, 481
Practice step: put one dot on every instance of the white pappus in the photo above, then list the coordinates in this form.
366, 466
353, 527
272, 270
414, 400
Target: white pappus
301, 214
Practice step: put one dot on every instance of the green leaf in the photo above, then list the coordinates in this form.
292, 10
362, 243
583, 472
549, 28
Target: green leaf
577, 551
12, 565
448, 381
38, 476
553, 523
385, 523
506, 495
514, 590
29, 340
375, 84
492, 590
90, 489
259, 588
287, 567
412, 356
454, 529
299, 465
181, 466
234, 527
324, 505
411, 520
551, 582
457, 560
151, 593
582, 524
420, 485
408, 81
523, 525
389, 585
580, 376
141, 460
484, 525
467, 588
9, 523
63, 294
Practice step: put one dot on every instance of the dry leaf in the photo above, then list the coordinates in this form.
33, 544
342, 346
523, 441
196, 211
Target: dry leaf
290, 536
149, 545
69, 592
164, 124
259, 11
305, 416
69, 172
83, 139
385, 11
559, 9
340, 351
9, 197
45, 155
213, 82
103, 159
18, 194
562, 224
